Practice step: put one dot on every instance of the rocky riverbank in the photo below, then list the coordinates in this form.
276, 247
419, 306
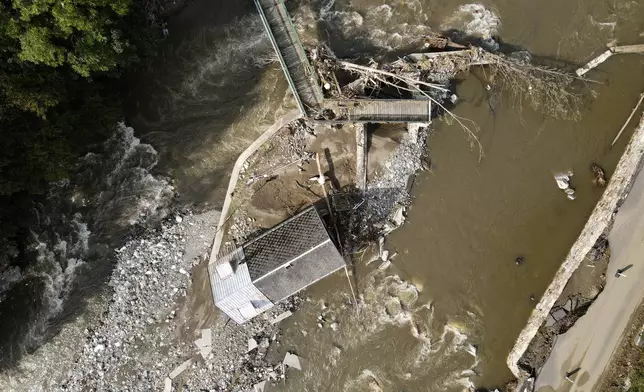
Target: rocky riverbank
148, 328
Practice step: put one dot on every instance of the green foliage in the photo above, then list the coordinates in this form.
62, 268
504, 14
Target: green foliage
637, 374
83, 34
60, 63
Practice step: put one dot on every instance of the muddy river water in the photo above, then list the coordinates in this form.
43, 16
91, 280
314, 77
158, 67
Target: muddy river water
447, 311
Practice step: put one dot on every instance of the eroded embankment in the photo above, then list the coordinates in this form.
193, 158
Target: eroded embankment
601, 217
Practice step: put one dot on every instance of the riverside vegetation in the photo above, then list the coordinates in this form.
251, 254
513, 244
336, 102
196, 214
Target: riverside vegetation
61, 68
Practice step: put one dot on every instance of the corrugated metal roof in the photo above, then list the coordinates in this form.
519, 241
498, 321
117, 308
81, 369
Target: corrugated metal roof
284, 242
380, 110
235, 292
304, 271
286, 259
223, 288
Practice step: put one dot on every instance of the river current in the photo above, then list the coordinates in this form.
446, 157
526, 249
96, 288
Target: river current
444, 316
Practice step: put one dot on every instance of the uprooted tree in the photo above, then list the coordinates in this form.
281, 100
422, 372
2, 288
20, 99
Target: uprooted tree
427, 76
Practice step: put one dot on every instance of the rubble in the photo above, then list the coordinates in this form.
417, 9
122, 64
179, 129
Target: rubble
281, 317
563, 182
388, 191
204, 344
292, 360
144, 341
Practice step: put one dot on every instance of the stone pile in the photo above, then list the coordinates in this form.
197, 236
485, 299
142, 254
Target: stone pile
392, 189
143, 335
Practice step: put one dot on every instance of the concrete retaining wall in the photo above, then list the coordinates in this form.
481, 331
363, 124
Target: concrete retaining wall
615, 193
234, 176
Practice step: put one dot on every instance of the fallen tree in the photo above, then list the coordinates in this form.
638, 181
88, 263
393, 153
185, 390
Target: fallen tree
428, 76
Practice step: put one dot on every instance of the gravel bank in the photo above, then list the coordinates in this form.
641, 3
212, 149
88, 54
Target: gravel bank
145, 332
391, 189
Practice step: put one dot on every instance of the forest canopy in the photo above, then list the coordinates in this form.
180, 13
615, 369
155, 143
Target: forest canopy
61, 62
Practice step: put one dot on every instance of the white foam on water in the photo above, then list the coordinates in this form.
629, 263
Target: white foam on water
384, 27
380, 14
245, 45
115, 189
123, 190
474, 20
388, 309
345, 20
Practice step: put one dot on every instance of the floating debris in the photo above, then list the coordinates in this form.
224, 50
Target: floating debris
563, 182
281, 317
599, 176
292, 360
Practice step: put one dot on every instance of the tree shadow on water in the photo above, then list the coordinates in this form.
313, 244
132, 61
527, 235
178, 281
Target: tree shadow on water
203, 79
209, 79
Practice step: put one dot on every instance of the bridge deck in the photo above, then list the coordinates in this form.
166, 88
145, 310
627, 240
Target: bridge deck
380, 110
285, 40
306, 88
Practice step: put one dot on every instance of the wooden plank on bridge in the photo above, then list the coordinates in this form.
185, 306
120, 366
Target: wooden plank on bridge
379, 110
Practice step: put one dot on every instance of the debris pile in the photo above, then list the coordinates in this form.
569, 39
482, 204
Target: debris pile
599, 177
583, 288
563, 182
151, 274
141, 343
390, 192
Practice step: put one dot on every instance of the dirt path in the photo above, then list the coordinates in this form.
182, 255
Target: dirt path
234, 176
590, 344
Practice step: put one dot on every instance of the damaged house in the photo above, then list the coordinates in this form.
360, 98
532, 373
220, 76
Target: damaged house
279, 263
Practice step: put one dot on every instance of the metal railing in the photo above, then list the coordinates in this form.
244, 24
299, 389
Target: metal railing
289, 79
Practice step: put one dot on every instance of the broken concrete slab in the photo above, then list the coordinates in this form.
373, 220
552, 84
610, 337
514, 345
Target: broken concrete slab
559, 314
398, 217
259, 387
384, 265
550, 321
204, 343
292, 360
281, 317
252, 344
180, 369
167, 385
381, 246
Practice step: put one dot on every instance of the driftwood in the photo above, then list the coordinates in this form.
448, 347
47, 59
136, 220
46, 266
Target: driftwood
426, 76
608, 54
628, 120
628, 49
595, 62
361, 68
617, 190
404, 83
